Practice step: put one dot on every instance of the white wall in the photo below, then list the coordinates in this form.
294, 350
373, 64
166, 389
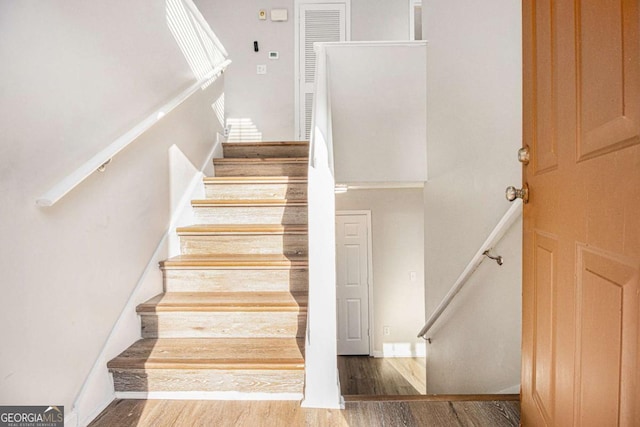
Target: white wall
75, 76
265, 99
397, 240
379, 20
378, 112
268, 100
473, 133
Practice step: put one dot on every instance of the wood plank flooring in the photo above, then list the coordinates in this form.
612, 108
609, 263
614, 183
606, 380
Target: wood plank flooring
364, 375
161, 413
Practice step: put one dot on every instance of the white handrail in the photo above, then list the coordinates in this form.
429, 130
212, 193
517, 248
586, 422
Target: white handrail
494, 237
70, 181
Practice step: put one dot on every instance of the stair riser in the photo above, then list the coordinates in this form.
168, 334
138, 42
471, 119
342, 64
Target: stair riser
256, 191
240, 380
224, 324
217, 215
252, 151
258, 169
288, 244
236, 280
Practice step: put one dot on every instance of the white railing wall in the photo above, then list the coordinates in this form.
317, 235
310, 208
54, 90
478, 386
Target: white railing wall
322, 387
359, 108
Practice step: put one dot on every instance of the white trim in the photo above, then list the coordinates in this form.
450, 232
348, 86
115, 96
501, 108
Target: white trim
380, 185
98, 378
71, 419
296, 53
412, 20
514, 389
391, 43
92, 415
367, 213
206, 395
69, 182
390, 350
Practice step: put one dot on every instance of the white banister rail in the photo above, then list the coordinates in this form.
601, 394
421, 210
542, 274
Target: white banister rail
322, 387
494, 237
72, 180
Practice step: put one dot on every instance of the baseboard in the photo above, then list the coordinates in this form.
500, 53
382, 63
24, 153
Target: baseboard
206, 395
514, 389
92, 416
401, 350
435, 398
97, 392
71, 419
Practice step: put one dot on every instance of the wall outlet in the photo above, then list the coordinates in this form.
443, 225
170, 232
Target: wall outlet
261, 69
386, 330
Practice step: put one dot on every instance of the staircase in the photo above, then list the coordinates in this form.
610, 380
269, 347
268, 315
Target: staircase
232, 319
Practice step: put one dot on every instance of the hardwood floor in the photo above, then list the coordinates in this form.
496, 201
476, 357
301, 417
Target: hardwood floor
411, 413
364, 375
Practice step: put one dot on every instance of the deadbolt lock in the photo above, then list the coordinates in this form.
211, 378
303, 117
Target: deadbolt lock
523, 155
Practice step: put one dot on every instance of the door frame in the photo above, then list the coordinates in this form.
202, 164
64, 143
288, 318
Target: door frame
367, 213
412, 18
296, 54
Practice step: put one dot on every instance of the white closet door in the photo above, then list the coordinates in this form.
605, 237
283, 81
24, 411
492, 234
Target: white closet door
352, 283
319, 22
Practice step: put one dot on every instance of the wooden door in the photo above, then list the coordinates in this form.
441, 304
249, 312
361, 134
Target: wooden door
581, 251
352, 282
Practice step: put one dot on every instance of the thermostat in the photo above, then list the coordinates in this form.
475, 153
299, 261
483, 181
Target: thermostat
273, 55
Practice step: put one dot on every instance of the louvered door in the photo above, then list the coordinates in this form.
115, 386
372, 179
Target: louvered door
319, 22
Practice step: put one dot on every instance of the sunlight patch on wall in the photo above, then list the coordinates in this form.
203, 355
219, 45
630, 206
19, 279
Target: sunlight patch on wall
218, 108
243, 130
199, 44
404, 349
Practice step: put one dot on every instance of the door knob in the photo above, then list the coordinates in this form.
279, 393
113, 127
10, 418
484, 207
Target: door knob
523, 155
513, 193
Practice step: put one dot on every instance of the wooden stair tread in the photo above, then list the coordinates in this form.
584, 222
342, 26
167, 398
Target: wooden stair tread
248, 202
266, 144
212, 353
259, 160
255, 180
233, 260
206, 229
225, 301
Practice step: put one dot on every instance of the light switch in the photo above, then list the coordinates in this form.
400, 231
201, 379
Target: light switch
412, 276
261, 69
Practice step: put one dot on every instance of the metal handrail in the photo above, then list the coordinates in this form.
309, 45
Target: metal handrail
494, 237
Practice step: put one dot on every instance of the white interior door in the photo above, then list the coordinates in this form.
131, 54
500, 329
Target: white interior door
352, 281
318, 22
